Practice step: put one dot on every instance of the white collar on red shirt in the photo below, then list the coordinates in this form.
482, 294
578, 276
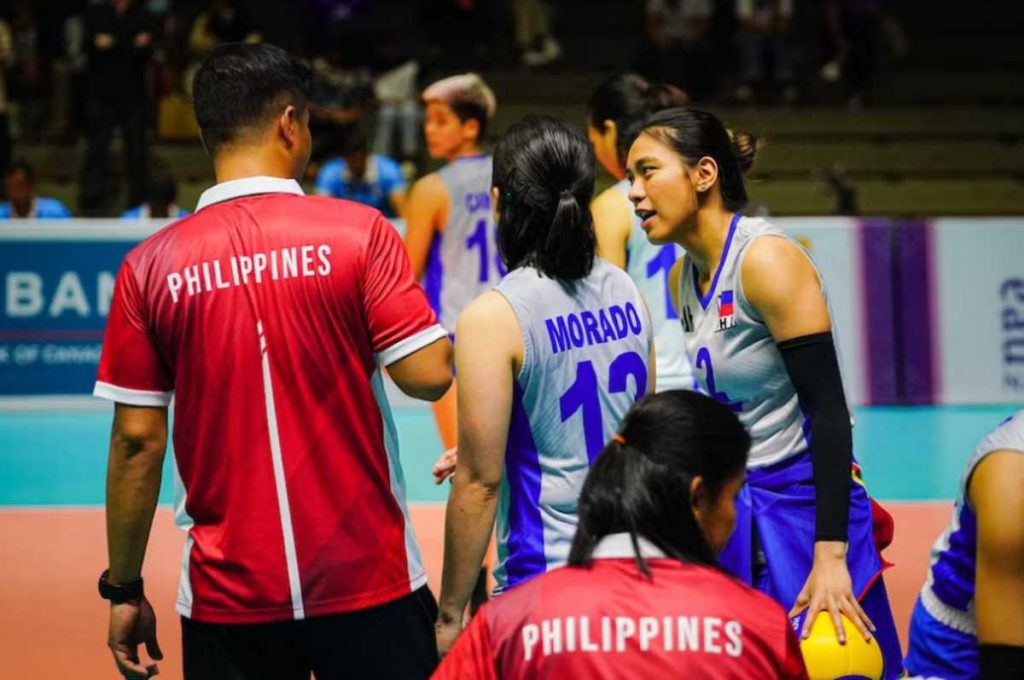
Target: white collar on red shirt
617, 546
247, 186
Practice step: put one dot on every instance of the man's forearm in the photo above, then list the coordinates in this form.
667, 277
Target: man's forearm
468, 522
133, 486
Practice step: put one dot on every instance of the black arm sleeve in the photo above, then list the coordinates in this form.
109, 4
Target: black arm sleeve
1002, 662
814, 370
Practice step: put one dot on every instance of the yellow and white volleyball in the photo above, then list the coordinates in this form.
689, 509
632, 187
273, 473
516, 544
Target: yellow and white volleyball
826, 659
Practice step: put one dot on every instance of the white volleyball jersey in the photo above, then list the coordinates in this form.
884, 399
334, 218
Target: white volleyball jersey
585, 362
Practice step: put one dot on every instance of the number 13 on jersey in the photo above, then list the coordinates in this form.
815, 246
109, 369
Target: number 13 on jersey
584, 395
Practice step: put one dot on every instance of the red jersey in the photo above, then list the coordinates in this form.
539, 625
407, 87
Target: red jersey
610, 621
267, 315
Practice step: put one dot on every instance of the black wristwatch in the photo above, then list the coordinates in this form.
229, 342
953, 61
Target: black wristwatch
121, 592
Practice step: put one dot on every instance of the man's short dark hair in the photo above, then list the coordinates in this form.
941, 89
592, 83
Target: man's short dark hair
241, 86
21, 165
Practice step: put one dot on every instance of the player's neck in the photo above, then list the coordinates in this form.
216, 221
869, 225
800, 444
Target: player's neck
705, 243
232, 165
465, 151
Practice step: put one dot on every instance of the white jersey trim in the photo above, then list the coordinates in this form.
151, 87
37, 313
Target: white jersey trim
618, 546
127, 395
290, 554
417, 573
954, 618
185, 523
248, 186
413, 343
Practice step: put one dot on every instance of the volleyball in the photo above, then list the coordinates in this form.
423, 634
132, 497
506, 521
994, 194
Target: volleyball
826, 659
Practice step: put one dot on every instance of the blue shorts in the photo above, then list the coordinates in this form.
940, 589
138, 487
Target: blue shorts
936, 650
772, 547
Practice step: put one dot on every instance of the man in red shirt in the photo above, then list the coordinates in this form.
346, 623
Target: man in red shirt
269, 316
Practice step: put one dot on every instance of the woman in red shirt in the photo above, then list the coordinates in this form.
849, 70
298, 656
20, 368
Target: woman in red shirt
642, 596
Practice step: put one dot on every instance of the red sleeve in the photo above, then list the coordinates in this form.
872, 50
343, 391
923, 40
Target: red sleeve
131, 370
471, 657
397, 312
792, 660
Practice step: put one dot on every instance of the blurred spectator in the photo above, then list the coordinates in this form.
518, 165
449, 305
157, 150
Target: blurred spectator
27, 78
763, 40
854, 40
118, 41
222, 21
397, 90
161, 193
22, 202
536, 42
677, 49
371, 179
6, 60
342, 95
844, 191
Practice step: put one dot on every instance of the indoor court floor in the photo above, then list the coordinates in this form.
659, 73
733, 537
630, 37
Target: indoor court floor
52, 542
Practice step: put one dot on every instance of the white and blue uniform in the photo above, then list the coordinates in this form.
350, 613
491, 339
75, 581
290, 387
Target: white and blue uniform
943, 628
463, 263
735, 359
649, 266
586, 349
42, 209
737, 362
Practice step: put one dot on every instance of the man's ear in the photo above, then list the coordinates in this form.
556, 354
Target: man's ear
289, 124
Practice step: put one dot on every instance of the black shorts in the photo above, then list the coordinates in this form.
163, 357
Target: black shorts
394, 640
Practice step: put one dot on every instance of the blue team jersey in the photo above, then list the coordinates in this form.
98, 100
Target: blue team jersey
42, 208
142, 212
464, 262
382, 178
585, 362
943, 629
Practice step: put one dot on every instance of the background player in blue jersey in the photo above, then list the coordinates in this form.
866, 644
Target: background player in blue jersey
22, 201
616, 113
969, 620
371, 179
757, 324
450, 221
549, 363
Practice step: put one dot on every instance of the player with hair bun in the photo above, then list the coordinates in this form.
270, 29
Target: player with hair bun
616, 113
757, 326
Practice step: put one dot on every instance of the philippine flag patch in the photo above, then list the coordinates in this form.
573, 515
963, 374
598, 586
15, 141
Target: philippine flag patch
726, 316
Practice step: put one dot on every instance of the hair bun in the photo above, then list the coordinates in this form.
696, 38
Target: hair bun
744, 148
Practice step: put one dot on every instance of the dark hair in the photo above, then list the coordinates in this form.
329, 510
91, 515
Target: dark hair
471, 111
21, 165
161, 189
544, 171
240, 86
642, 487
693, 134
628, 100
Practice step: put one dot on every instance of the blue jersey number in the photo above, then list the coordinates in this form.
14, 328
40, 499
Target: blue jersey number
583, 395
703, 362
478, 239
663, 262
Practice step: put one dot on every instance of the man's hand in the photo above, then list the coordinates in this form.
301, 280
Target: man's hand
132, 624
103, 41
